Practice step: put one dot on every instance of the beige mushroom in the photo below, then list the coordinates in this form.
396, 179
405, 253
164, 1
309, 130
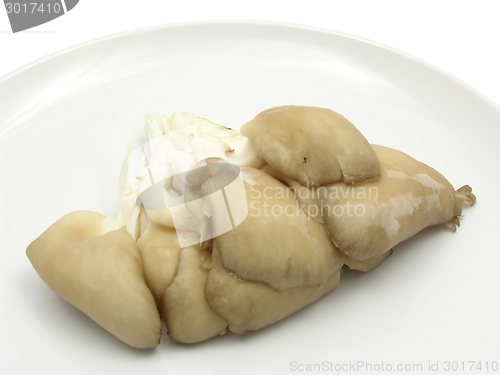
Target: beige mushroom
311, 203
340, 200
177, 280
186, 312
249, 306
160, 253
314, 146
368, 220
308, 197
277, 244
93, 263
368, 264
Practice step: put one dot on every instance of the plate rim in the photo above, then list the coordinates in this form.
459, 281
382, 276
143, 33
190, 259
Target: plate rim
255, 23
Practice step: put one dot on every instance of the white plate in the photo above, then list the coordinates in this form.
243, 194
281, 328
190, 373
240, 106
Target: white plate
62, 143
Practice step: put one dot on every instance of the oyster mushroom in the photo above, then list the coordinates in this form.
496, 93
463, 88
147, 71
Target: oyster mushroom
93, 263
160, 254
275, 248
277, 244
249, 306
308, 197
368, 220
368, 264
186, 312
314, 146
177, 280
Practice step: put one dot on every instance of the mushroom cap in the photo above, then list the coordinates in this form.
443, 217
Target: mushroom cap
368, 220
277, 243
93, 263
248, 306
186, 312
315, 146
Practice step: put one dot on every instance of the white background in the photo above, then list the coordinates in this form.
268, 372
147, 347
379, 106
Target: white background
461, 37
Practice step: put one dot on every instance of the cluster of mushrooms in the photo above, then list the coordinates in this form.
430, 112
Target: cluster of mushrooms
131, 273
